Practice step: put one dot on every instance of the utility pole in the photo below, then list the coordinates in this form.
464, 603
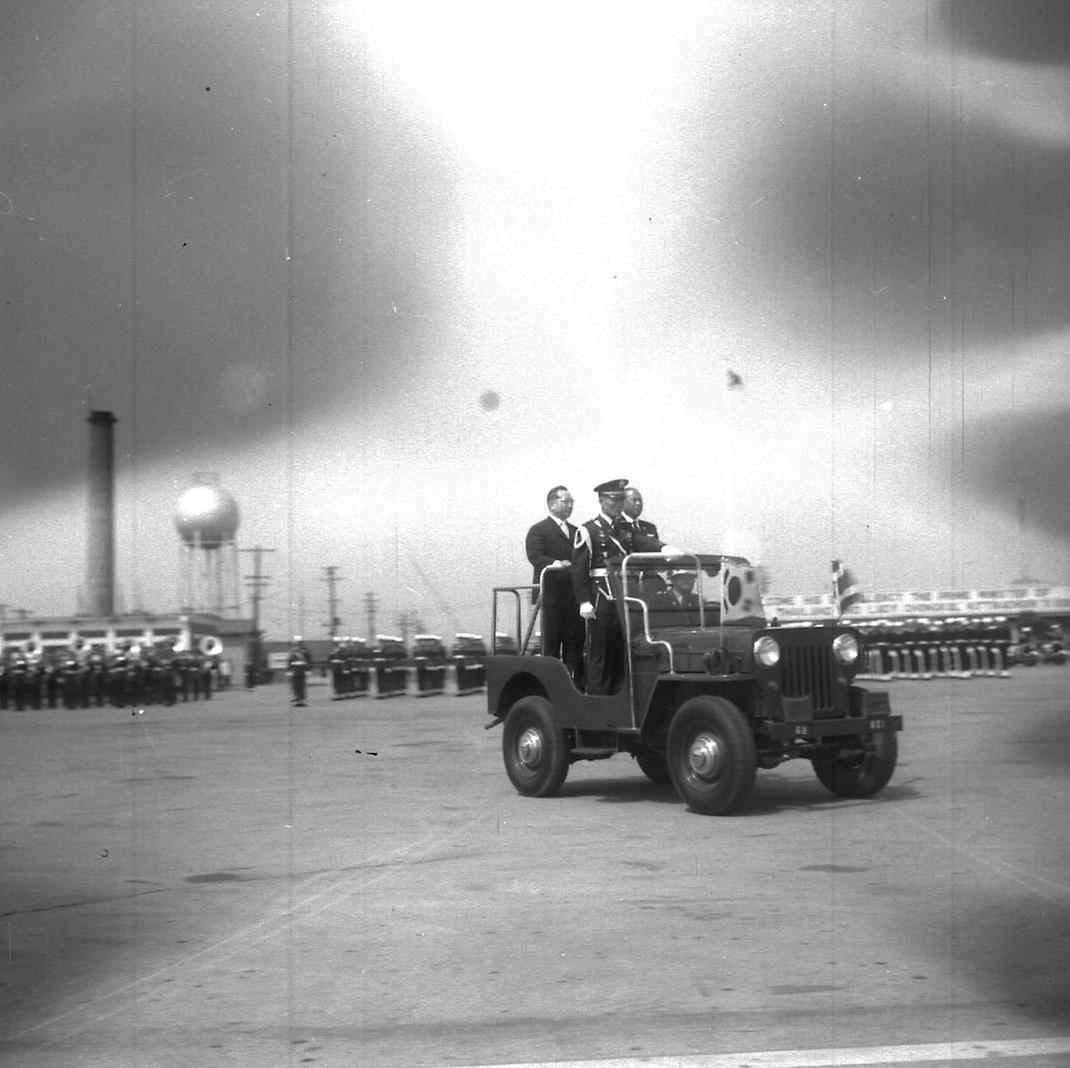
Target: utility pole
369, 611
332, 579
256, 582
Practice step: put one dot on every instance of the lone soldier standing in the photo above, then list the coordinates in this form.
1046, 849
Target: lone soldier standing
600, 542
297, 668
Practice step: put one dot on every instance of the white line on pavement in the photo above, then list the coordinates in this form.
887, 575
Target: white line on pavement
942, 1052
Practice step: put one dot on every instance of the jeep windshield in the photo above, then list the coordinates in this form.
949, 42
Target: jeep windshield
693, 591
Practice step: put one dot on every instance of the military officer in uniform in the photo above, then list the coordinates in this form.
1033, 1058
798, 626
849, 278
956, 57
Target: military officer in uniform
600, 542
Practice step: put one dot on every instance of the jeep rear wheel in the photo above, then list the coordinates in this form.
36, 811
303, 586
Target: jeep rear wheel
536, 756
859, 772
711, 755
654, 765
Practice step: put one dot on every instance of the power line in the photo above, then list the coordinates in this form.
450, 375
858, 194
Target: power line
257, 582
332, 578
370, 604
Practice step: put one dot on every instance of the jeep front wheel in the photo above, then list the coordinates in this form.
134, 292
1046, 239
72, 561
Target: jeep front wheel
859, 772
653, 765
711, 755
536, 756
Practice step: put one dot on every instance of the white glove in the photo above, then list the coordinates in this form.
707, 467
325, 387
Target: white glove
671, 550
587, 610
559, 565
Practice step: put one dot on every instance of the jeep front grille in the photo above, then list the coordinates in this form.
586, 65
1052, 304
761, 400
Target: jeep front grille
806, 671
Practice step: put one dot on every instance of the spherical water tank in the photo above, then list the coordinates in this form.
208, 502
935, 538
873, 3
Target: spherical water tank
206, 515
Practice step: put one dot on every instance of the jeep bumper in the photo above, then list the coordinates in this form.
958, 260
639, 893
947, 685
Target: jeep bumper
815, 730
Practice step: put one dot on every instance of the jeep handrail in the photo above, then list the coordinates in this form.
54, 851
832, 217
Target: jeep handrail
515, 591
535, 613
646, 630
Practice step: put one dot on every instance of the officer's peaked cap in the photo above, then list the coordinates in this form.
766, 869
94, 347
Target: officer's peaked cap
614, 485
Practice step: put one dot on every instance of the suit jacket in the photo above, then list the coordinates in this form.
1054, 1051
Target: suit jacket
645, 527
544, 544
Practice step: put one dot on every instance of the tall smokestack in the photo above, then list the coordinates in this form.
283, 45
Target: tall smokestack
100, 565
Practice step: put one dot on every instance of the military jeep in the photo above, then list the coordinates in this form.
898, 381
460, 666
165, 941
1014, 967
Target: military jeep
711, 691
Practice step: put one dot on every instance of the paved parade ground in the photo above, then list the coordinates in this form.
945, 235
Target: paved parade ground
356, 883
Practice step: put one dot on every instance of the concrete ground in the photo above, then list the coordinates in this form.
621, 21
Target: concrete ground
356, 883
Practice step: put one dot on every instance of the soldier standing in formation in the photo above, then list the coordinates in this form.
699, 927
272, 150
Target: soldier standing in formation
339, 673
165, 666
297, 667
96, 677
21, 675
84, 676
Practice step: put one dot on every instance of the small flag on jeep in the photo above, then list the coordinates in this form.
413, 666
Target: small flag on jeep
845, 591
740, 596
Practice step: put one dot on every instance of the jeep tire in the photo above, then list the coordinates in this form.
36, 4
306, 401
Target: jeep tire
859, 774
654, 765
533, 748
711, 755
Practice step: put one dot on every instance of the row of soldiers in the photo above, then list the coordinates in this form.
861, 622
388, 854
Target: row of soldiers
132, 675
351, 663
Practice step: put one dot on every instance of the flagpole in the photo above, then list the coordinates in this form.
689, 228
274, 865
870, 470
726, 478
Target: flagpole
729, 472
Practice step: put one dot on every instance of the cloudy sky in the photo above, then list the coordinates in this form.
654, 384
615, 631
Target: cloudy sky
295, 245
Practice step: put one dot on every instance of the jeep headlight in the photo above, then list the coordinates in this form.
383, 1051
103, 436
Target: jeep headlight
767, 651
845, 648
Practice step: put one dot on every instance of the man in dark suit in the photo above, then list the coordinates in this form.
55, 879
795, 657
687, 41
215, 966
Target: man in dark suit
549, 549
633, 509
651, 584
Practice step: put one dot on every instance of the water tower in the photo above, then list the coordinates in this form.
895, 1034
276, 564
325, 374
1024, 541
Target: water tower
206, 518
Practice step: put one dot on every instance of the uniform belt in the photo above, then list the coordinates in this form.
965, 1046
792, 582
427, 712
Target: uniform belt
598, 572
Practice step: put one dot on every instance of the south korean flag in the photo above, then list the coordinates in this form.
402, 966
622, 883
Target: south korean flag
740, 594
